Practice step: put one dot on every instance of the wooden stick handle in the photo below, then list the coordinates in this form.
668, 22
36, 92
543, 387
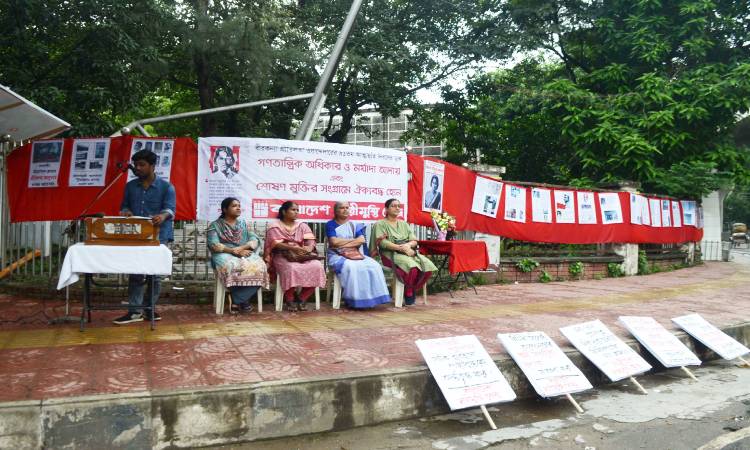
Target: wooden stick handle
687, 371
635, 382
575, 403
488, 417
25, 259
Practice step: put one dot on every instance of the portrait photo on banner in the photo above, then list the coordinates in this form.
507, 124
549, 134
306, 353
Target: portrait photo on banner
486, 197
432, 186
224, 160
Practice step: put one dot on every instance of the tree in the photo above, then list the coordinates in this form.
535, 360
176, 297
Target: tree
399, 47
85, 61
645, 91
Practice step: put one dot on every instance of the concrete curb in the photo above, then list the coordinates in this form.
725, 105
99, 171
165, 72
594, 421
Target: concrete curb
239, 413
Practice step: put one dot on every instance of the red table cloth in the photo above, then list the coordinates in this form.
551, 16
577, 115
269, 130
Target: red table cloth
463, 256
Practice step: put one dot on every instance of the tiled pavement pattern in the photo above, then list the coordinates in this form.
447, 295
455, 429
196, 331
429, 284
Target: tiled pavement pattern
192, 347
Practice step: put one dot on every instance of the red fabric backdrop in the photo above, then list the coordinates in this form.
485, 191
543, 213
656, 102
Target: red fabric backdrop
67, 203
458, 191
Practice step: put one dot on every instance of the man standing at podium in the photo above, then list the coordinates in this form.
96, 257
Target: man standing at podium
148, 196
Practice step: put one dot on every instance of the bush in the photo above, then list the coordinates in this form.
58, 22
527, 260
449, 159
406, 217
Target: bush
544, 277
575, 269
527, 265
643, 268
614, 270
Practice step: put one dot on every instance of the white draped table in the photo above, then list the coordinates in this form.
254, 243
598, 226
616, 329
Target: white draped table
127, 259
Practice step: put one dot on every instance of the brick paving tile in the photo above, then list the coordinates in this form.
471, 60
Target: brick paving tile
193, 347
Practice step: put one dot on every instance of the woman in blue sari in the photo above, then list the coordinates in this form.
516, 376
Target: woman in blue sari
362, 279
235, 254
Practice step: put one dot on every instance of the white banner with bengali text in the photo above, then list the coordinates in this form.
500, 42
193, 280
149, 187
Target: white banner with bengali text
263, 173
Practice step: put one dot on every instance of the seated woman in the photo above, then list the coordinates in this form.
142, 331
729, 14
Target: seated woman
362, 279
290, 252
235, 254
394, 240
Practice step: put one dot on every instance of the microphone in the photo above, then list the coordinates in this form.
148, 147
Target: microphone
124, 166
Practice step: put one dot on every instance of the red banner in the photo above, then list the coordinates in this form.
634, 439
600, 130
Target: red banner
67, 203
458, 192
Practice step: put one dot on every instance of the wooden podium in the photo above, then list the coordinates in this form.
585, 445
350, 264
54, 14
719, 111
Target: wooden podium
118, 230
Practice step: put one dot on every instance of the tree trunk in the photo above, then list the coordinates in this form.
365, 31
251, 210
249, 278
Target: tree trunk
203, 70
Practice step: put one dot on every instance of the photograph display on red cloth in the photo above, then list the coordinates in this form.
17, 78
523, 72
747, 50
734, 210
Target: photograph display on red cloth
554, 212
70, 188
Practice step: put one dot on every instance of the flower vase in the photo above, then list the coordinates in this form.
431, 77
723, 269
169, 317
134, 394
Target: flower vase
441, 235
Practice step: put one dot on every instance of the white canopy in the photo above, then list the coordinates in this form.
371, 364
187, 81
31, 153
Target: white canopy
23, 120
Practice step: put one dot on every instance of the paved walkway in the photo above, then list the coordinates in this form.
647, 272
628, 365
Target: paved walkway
192, 347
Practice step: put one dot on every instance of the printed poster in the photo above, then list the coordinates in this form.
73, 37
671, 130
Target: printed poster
609, 204
676, 214
432, 186
88, 162
639, 210
464, 371
688, 212
45, 163
515, 203
666, 213
549, 370
263, 173
541, 205
163, 149
586, 208
564, 207
655, 210
486, 197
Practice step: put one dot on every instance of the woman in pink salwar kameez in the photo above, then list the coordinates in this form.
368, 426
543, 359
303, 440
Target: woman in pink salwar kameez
288, 236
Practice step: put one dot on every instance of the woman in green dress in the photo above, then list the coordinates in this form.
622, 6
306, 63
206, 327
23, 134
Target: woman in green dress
395, 242
236, 254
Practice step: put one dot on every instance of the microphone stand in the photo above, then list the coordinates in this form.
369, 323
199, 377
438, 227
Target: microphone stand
72, 229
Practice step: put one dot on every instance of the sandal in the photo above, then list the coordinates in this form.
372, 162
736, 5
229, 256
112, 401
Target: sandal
301, 306
292, 307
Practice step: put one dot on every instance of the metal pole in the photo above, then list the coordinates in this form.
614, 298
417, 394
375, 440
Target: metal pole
325, 80
204, 112
4, 212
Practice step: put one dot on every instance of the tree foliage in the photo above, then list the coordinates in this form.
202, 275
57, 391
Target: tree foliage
645, 91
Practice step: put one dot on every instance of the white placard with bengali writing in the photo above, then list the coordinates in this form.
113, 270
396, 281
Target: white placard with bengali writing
515, 203
164, 151
659, 342
688, 212
608, 352
486, 197
464, 371
565, 207
549, 370
44, 164
710, 336
655, 211
666, 213
609, 204
313, 174
88, 162
541, 205
586, 207
639, 210
677, 222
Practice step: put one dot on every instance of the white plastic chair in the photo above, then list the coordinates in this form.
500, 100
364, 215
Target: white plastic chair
397, 291
220, 293
279, 297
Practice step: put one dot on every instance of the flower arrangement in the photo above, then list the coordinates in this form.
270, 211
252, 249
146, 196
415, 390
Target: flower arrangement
445, 224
